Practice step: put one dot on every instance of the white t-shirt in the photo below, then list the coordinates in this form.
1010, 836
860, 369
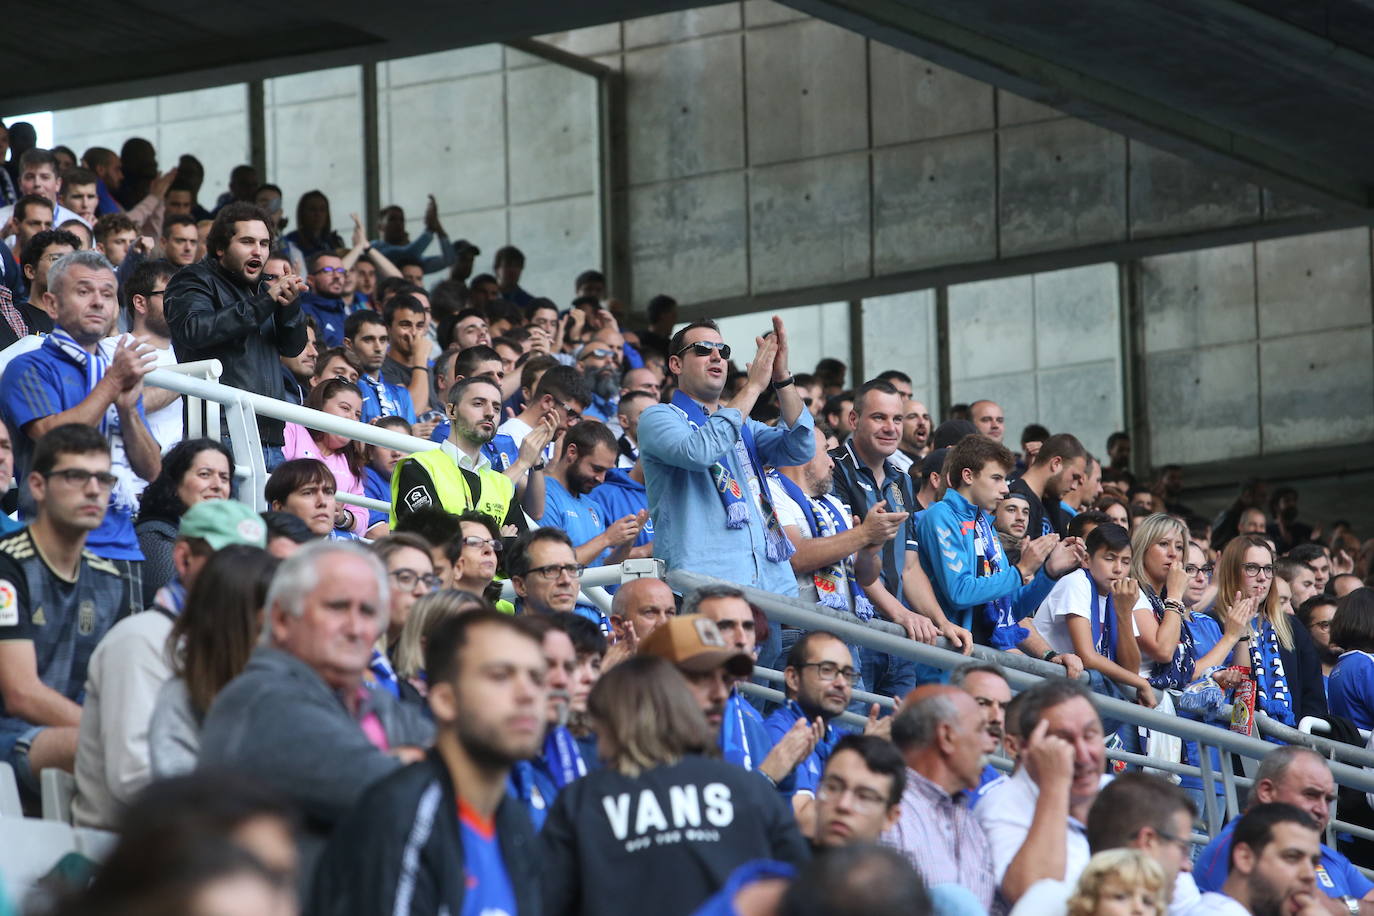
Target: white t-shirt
791, 515
167, 424
1006, 812
516, 428
1051, 898
1143, 604
1072, 596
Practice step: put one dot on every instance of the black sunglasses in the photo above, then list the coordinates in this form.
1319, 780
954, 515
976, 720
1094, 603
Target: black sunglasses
704, 348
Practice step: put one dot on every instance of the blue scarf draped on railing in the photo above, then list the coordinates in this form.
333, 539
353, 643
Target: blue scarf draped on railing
1007, 632
1271, 681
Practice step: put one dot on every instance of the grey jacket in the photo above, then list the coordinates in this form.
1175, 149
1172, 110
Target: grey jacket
281, 722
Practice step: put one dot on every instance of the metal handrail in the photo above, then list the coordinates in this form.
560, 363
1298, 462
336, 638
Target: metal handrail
795, 613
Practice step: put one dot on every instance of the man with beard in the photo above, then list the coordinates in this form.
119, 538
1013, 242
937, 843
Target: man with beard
557, 760
145, 292
1059, 468
1272, 866
221, 308
600, 366
1315, 613
443, 835
457, 476
1010, 518
588, 453
407, 360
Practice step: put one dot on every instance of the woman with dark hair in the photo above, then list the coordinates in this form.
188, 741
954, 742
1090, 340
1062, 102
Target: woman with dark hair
1350, 690
192, 471
314, 231
342, 455
209, 645
663, 814
305, 488
212, 843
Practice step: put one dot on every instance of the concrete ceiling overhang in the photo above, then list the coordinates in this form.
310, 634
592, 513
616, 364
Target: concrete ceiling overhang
1280, 92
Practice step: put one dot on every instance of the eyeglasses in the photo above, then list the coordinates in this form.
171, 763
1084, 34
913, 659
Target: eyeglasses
828, 671
1192, 569
1254, 569
409, 578
331, 270
1322, 624
704, 348
572, 414
1183, 843
79, 477
863, 797
474, 541
556, 570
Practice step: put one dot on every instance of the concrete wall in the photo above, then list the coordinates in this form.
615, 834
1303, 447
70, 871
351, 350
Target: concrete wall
211, 124
315, 143
1259, 349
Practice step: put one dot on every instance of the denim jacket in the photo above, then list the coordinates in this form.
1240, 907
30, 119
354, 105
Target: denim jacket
946, 536
689, 520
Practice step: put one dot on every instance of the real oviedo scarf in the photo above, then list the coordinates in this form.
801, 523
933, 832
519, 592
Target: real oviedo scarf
732, 492
834, 580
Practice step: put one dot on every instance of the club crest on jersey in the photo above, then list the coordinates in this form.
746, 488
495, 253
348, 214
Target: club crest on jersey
85, 618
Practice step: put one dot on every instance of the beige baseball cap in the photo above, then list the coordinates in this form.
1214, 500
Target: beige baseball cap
694, 643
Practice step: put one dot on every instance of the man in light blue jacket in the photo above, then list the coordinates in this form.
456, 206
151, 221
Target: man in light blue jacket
703, 464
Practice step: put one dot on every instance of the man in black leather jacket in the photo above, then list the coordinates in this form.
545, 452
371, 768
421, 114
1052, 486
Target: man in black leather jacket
223, 307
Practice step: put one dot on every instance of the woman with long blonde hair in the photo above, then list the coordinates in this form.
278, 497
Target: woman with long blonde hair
1158, 552
1280, 656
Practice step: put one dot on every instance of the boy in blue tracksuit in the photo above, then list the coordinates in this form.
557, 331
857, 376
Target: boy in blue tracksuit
977, 585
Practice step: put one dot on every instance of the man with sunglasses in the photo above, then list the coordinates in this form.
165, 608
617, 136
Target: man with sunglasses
704, 458
57, 601
324, 300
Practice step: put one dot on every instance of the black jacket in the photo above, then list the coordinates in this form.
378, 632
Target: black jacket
215, 316
1303, 668
662, 842
400, 851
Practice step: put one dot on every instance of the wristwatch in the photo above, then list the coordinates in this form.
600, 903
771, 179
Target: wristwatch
1049, 655
1351, 904
790, 380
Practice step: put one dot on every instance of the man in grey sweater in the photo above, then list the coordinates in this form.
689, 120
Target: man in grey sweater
299, 717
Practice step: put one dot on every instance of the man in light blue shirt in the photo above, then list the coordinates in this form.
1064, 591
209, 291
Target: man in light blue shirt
703, 464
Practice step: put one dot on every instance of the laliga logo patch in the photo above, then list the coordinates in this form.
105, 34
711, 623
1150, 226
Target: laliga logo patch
417, 498
9, 605
708, 632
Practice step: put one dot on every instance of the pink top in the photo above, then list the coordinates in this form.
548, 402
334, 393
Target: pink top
371, 724
300, 444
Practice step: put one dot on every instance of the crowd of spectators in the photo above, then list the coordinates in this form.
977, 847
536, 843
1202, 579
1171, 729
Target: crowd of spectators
328, 708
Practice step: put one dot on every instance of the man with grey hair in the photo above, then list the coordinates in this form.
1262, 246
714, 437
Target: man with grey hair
299, 717
987, 683
940, 734
76, 376
1300, 777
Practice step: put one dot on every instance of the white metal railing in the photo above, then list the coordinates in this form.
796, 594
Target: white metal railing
201, 415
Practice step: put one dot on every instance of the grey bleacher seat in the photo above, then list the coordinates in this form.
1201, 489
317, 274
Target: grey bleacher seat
95, 844
59, 788
10, 805
30, 849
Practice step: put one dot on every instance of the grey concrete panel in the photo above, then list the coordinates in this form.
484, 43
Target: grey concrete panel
991, 328
766, 12
1317, 389
809, 222
1310, 282
1014, 392
1203, 405
316, 146
807, 91
813, 332
1013, 109
561, 239
123, 117
685, 109
899, 333
666, 27
222, 100
443, 65
1063, 184
934, 203
1076, 316
487, 229
1084, 400
1170, 194
552, 118
1199, 298
309, 87
914, 99
689, 238
1276, 206
220, 142
596, 39
432, 131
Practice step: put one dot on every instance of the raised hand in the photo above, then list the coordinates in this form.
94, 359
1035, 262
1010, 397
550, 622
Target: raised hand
780, 370
1035, 552
1125, 593
880, 526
